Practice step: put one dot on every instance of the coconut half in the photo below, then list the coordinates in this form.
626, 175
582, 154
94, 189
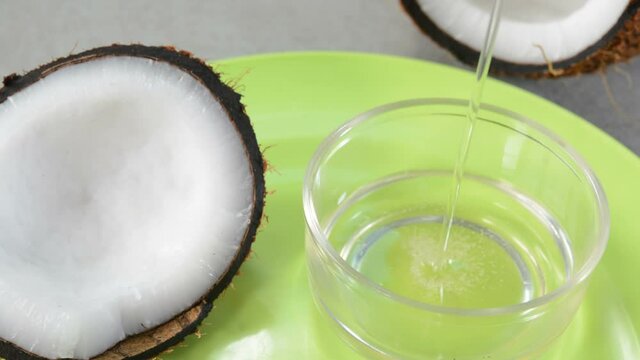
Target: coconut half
536, 37
131, 188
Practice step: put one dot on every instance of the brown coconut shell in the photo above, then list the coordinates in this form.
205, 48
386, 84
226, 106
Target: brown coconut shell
620, 43
160, 338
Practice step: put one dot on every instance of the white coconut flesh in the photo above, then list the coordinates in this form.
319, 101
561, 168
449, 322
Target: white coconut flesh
125, 192
563, 28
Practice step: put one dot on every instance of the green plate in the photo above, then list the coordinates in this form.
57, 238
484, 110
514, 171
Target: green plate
294, 101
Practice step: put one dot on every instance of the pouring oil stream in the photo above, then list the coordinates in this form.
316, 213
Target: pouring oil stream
482, 69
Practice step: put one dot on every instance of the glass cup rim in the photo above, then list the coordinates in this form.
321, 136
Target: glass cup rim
319, 238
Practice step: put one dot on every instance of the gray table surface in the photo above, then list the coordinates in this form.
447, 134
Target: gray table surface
33, 32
